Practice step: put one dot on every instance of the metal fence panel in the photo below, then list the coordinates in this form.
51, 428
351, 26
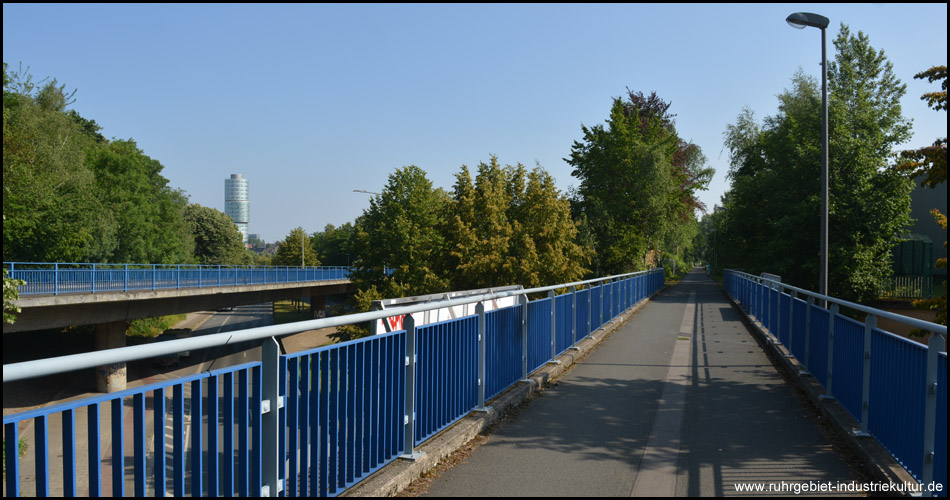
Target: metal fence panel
564, 316
447, 374
848, 370
582, 312
504, 351
896, 402
539, 333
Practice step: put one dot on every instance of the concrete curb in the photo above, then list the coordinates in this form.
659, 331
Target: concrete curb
397, 475
880, 465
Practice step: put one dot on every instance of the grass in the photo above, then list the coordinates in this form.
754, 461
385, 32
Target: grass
289, 311
21, 450
153, 327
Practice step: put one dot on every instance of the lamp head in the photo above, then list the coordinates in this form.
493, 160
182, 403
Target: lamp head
799, 20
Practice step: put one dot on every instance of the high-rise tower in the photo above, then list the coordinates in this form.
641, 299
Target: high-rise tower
236, 203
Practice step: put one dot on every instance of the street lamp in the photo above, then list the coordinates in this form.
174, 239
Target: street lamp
363, 191
800, 20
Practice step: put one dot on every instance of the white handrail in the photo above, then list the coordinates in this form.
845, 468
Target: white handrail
907, 320
61, 364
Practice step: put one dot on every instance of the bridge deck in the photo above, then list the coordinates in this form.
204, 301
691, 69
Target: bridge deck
681, 400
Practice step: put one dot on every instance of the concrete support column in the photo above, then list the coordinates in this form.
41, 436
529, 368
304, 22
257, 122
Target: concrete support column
110, 378
318, 306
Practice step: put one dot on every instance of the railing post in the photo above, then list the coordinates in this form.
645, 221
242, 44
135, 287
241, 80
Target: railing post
831, 348
791, 318
93, 278
125, 287
153, 276
523, 300
625, 293
480, 310
811, 303
573, 315
778, 312
610, 305
553, 329
754, 296
55, 277
870, 323
409, 324
590, 304
935, 345
270, 422
178, 276
199, 275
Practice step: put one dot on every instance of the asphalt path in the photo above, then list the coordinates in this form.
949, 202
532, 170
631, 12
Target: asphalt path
680, 400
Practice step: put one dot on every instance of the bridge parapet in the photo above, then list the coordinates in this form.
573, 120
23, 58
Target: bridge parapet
59, 278
310, 423
893, 387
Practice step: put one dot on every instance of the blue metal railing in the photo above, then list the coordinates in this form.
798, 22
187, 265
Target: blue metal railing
895, 388
171, 409
58, 278
311, 423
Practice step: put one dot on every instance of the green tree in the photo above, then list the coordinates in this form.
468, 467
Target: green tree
479, 230
544, 218
53, 208
510, 226
333, 244
397, 245
399, 232
217, 239
931, 163
289, 252
774, 196
638, 181
10, 295
149, 213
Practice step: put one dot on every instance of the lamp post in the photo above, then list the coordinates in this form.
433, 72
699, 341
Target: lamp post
800, 20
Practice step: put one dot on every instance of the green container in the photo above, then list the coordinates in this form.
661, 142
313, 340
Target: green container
914, 256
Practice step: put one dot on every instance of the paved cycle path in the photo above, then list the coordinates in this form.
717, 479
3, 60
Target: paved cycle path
679, 401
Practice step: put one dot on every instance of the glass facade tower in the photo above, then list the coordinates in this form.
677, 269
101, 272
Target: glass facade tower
236, 204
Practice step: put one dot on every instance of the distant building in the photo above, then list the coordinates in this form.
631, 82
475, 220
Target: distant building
236, 203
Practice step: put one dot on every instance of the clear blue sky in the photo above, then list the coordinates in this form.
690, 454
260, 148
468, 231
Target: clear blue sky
310, 102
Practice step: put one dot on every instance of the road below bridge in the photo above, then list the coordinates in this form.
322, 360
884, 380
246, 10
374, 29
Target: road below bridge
679, 401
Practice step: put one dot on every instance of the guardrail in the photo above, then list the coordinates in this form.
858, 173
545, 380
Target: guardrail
308, 423
55, 278
895, 388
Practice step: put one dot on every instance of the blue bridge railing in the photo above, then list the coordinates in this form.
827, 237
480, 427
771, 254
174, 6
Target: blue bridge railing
58, 278
312, 423
895, 388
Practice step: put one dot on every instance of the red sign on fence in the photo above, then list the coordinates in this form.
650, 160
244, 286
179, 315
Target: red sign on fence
395, 322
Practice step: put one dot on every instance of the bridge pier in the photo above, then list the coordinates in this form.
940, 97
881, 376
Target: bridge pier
318, 305
111, 378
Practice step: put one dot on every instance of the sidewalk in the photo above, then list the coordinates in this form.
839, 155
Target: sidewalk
681, 400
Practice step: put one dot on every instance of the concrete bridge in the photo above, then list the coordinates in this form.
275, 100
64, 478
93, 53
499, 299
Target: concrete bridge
110, 295
618, 387
39, 312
